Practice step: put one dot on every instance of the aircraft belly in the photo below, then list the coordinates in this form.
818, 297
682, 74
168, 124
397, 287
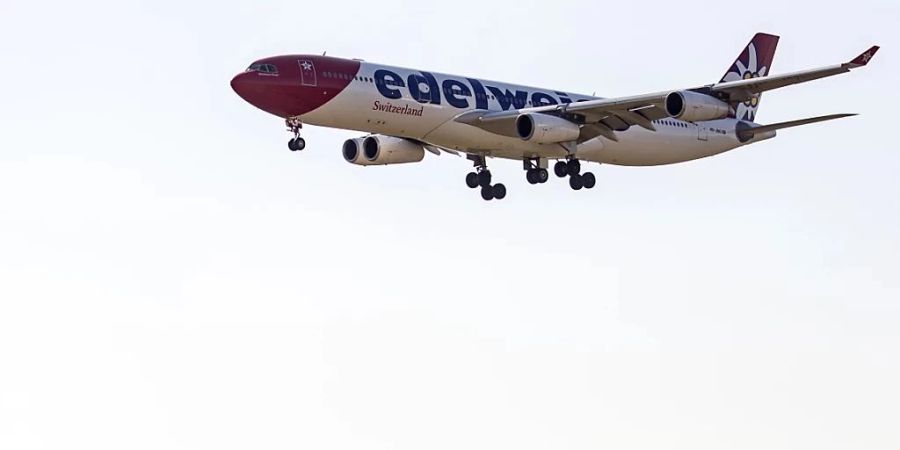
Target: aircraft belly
639, 147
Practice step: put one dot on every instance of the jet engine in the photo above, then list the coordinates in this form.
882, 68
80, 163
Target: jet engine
381, 150
695, 107
546, 129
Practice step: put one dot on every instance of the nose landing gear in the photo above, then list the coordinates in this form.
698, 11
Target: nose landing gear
294, 125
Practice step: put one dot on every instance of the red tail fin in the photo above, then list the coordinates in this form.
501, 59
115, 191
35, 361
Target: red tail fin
754, 61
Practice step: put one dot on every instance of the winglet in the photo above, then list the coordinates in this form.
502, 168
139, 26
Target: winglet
864, 58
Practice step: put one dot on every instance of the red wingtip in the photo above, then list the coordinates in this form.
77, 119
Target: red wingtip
865, 57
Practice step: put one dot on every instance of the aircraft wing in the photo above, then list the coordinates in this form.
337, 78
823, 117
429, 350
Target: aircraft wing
743, 90
603, 117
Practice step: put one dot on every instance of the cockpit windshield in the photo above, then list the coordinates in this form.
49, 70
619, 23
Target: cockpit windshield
263, 68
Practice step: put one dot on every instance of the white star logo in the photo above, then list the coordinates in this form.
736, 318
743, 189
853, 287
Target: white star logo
306, 65
867, 56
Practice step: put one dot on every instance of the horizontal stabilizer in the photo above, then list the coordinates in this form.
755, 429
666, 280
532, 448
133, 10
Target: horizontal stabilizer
865, 57
748, 133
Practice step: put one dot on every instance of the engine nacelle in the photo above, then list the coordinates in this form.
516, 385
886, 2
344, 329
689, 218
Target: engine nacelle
695, 107
546, 129
380, 149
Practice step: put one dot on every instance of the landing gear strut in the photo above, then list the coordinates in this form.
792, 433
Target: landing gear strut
294, 125
572, 169
482, 178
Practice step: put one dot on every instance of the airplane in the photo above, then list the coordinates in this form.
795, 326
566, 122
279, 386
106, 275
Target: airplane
407, 112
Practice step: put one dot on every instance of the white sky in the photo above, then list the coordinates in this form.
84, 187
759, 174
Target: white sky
172, 277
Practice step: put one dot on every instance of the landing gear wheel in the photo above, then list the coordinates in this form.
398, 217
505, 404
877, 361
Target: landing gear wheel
499, 191
541, 175
561, 169
588, 180
576, 182
472, 180
296, 144
573, 167
484, 178
487, 193
532, 176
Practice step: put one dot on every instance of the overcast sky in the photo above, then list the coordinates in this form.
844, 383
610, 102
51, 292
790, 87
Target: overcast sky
171, 276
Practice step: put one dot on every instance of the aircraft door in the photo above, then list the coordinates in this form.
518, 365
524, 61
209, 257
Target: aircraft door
308, 73
702, 132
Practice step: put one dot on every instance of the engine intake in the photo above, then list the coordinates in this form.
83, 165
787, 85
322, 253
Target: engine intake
546, 129
695, 107
352, 152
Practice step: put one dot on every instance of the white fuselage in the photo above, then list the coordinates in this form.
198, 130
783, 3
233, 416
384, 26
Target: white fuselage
363, 106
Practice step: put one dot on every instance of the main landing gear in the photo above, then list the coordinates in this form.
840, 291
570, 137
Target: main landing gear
294, 125
572, 169
534, 173
482, 178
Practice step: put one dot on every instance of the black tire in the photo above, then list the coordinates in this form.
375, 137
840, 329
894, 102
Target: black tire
589, 180
300, 143
487, 193
484, 178
542, 176
472, 180
499, 191
561, 169
576, 182
531, 176
573, 167
292, 145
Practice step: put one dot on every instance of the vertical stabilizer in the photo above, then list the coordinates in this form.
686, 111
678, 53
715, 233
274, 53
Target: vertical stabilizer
755, 61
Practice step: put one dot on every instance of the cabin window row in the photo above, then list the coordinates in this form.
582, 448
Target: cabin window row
337, 75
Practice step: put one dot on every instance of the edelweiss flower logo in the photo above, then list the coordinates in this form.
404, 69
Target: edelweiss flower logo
747, 110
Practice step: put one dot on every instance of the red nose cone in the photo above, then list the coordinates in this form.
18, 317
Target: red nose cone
271, 94
241, 86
